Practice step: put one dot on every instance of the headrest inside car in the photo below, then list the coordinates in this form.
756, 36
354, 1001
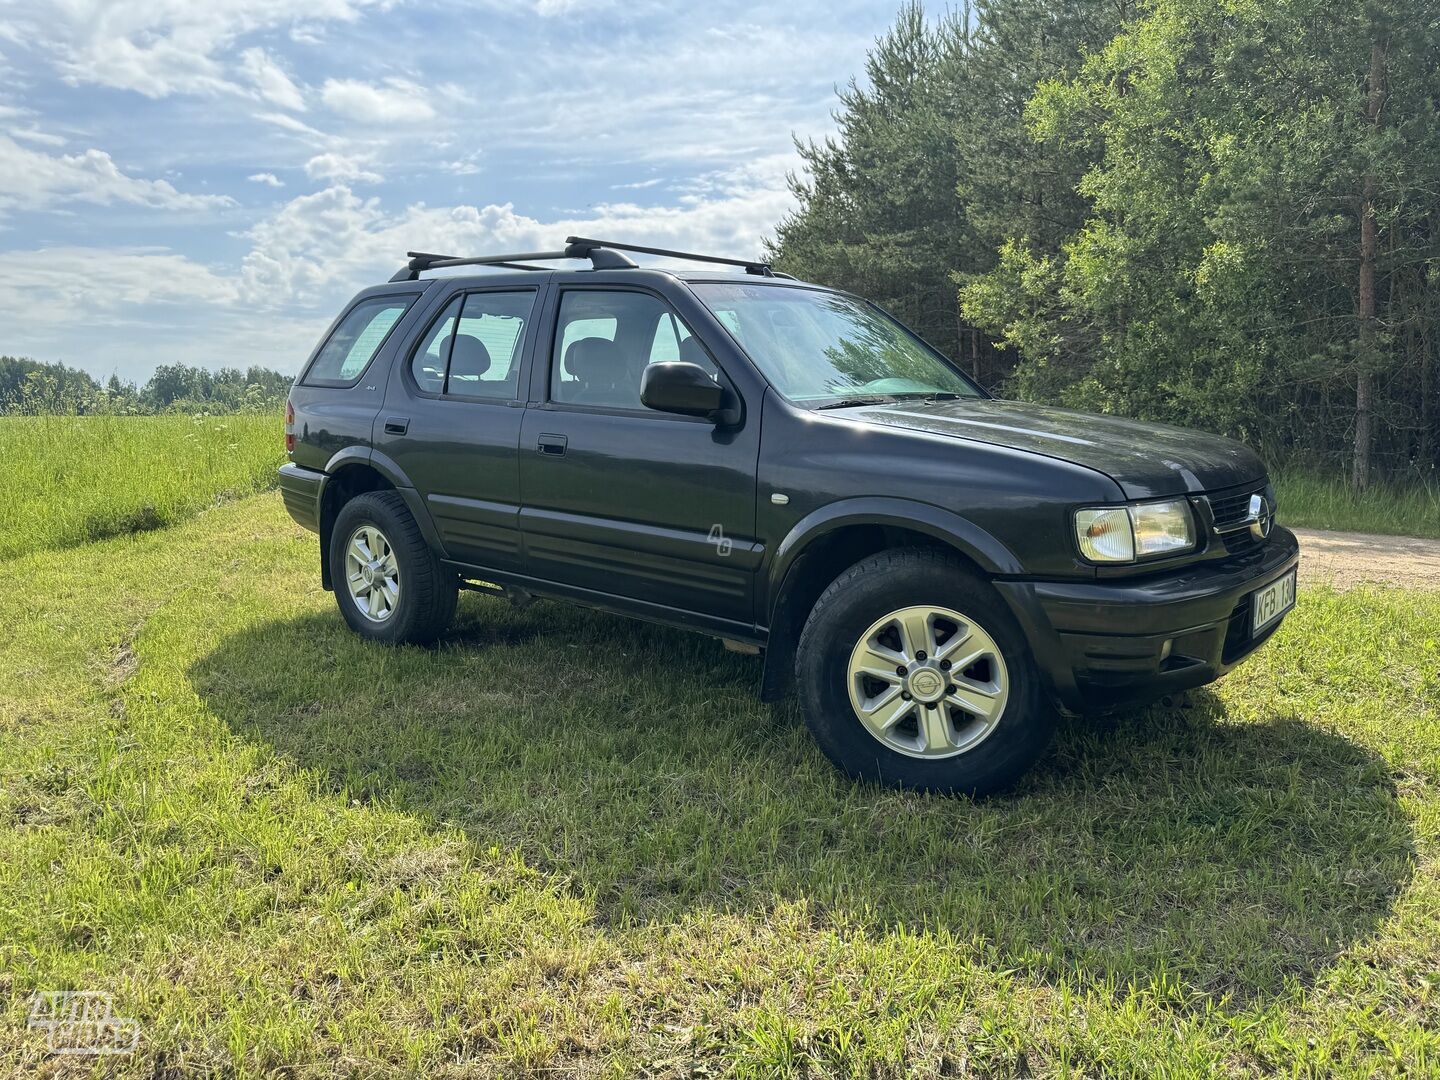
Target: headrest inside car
468, 357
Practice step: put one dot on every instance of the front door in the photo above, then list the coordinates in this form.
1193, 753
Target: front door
452, 420
626, 502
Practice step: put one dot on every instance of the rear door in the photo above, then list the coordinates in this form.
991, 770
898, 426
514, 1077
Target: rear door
452, 420
624, 501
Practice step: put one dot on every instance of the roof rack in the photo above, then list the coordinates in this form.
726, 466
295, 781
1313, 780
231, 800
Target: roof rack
751, 266
600, 259
603, 255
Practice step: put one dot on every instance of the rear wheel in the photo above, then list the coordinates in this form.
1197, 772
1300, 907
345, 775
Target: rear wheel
913, 673
390, 586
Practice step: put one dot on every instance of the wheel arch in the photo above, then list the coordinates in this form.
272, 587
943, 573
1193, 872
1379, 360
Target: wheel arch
825, 543
352, 477
366, 470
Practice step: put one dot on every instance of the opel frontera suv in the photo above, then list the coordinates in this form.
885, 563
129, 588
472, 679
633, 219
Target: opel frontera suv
787, 468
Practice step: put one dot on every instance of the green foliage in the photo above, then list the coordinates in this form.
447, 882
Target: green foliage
932, 166
1214, 280
1154, 209
28, 387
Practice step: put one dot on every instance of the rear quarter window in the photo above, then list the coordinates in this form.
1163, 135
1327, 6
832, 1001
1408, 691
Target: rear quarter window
353, 344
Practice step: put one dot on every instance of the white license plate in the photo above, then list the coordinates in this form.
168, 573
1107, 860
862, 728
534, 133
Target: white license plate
1271, 602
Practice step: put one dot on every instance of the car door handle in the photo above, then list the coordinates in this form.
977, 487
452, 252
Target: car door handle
552, 444
397, 425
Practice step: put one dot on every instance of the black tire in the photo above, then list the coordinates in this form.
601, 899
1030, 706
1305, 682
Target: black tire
867, 592
427, 592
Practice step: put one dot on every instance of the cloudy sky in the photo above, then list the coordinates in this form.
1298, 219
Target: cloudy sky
206, 181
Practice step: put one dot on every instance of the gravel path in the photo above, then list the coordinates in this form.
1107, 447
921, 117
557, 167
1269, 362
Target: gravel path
1346, 559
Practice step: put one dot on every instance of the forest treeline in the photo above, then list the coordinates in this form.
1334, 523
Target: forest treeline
29, 386
1220, 213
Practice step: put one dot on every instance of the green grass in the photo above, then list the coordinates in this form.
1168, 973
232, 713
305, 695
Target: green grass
563, 843
1327, 502
73, 479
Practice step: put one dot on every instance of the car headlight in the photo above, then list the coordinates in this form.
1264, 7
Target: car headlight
1117, 534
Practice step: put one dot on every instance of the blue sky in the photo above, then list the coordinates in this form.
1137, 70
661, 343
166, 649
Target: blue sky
206, 181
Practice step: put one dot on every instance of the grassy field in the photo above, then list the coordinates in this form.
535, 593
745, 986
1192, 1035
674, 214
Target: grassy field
1326, 502
73, 479
563, 844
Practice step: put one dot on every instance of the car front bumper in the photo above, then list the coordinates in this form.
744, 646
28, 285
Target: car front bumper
1103, 644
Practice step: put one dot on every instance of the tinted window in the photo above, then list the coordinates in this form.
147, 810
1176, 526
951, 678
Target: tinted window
433, 352
357, 339
605, 340
818, 346
485, 353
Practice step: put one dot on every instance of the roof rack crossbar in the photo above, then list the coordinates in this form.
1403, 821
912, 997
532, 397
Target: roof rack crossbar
602, 254
751, 266
459, 260
599, 258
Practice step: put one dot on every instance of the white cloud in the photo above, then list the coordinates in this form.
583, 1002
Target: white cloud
340, 168
32, 180
465, 166
638, 184
143, 307
320, 246
162, 47
40, 138
548, 8
270, 80
110, 277
267, 178
396, 101
289, 123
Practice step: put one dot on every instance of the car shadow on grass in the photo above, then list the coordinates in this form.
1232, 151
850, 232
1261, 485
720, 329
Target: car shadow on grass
1173, 848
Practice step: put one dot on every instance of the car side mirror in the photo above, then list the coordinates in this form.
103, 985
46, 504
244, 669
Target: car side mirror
674, 386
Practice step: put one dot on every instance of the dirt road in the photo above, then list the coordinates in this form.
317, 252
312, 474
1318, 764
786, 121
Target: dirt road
1346, 559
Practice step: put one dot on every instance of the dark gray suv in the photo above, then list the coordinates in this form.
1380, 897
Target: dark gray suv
789, 469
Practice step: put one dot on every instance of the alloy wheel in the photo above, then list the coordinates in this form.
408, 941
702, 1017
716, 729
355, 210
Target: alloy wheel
372, 574
928, 682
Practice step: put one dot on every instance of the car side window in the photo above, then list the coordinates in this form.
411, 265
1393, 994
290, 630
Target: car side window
485, 353
357, 339
433, 353
605, 340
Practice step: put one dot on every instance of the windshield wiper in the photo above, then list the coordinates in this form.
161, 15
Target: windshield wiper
852, 402
935, 395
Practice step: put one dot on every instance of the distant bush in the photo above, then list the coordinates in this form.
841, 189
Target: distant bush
31, 388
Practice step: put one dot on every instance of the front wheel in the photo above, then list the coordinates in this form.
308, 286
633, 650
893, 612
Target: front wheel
390, 586
913, 673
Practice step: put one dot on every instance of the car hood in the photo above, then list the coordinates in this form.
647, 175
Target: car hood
1145, 459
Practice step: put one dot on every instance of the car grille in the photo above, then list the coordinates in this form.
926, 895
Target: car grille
1231, 511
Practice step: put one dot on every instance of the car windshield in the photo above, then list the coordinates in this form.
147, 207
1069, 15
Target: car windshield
823, 349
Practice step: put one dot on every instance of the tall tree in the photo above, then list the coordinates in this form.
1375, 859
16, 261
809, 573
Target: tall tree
1369, 256
933, 167
1217, 279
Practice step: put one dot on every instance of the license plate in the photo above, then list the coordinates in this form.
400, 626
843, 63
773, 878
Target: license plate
1271, 602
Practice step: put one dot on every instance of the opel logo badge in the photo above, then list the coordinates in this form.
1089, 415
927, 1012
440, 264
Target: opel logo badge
926, 684
1262, 516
